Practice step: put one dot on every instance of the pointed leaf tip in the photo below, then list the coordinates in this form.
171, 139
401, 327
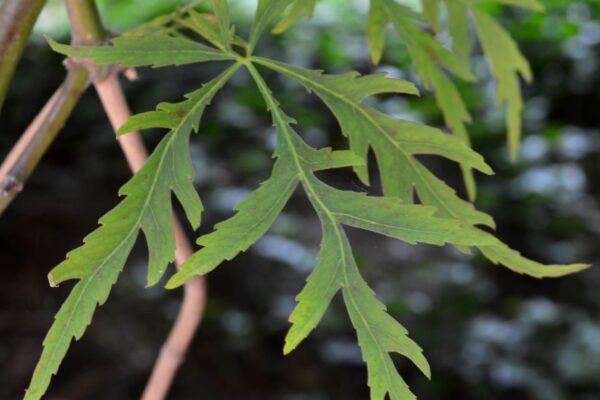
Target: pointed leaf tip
503, 255
51, 281
176, 281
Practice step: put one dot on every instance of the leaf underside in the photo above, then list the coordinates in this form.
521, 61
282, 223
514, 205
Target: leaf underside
440, 217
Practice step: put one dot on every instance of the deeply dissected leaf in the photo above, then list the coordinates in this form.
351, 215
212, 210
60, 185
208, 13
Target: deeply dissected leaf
395, 142
442, 218
389, 216
254, 217
378, 333
400, 171
147, 207
423, 48
507, 62
429, 57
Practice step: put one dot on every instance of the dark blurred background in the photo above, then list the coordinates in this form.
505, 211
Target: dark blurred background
488, 333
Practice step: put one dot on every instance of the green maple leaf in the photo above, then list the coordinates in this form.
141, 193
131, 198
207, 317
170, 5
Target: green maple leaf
378, 333
442, 218
429, 58
401, 172
506, 61
395, 142
146, 207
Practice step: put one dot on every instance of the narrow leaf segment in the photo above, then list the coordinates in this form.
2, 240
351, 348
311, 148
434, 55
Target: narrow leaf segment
391, 141
157, 49
147, 206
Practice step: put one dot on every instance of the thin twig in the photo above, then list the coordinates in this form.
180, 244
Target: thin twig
184, 329
17, 18
27, 152
194, 298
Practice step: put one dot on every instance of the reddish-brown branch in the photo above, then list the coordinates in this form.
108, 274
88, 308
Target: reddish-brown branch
87, 29
188, 320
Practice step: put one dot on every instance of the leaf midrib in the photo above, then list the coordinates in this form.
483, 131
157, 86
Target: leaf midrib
266, 62
400, 228
314, 195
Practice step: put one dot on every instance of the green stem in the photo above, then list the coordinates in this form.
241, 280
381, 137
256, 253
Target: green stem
17, 18
86, 26
26, 154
